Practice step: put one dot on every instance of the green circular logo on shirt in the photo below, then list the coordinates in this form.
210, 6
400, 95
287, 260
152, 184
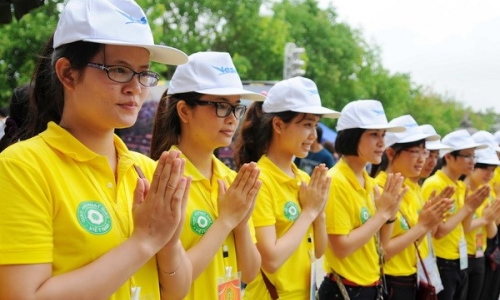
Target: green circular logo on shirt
94, 217
291, 211
404, 224
200, 222
364, 215
453, 208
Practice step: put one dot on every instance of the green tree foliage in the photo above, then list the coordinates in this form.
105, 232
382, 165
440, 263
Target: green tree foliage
338, 58
21, 43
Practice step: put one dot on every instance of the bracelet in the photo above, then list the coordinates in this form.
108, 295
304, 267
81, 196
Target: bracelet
174, 272
391, 221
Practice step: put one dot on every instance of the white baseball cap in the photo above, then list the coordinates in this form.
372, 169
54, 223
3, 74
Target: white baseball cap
497, 136
365, 114
210, 73
487, 156
412, 133
112, 22
459, 140
485, 137
433, 145
296, 94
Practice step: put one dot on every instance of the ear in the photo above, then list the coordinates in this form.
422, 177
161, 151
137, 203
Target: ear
183, 110
66, 74
390, 152
447, 157
278, 125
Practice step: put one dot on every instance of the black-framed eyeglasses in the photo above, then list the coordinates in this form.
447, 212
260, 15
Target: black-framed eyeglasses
124, 74
223, 109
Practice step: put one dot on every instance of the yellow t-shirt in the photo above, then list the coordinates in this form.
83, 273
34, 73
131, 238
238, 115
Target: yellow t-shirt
60, 205
278, 205
349, 206
405, 262
415, 193
476, 239
447, 247
201, 213
495, 179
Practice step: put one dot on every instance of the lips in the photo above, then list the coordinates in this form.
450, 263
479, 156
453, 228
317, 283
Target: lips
129, 104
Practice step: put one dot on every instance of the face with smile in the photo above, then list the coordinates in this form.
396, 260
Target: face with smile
98, 102
483, 175
297, 136
206, 122
462, 163
408, 161
371, 146
430, 163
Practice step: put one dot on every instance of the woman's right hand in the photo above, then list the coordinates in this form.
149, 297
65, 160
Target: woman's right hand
159, 209
236, 202
474, 200
313, 196
388, 202
433, 211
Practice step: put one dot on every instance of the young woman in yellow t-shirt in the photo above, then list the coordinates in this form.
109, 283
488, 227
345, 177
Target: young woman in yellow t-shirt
200, 113
355, 210
482, 226
406, 154
288, 215
449, 236
78, 219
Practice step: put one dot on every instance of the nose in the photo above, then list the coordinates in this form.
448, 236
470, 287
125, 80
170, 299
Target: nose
231, 117
134, 86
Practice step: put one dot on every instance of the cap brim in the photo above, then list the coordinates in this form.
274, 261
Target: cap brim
318, 110
436, 145
418, 137
386, 127
476, 146
158, 53
493, 162
245, 95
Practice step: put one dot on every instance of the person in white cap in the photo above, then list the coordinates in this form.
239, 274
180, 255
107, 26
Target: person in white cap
288, 215
79, 218
449, 238
434, 147
482, 226
405, 154
355, 210
201, 113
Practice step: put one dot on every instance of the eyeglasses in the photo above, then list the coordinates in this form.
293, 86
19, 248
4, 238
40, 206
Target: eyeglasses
124, 74
466, 156
424, 153
223, 109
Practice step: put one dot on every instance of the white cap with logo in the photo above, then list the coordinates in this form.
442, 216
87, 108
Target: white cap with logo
210, 73
497, 136
365, 114
485, 137
412, 133
433, 145
296, 94
459, 140
112, 22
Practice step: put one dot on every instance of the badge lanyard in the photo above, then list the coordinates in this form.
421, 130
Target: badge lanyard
229, 285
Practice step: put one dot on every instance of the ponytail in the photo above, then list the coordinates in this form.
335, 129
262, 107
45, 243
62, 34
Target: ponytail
18, 107
256, 133
167, 124
47, 94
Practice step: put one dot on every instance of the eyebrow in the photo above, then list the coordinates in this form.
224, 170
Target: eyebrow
122, 62
221, 99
